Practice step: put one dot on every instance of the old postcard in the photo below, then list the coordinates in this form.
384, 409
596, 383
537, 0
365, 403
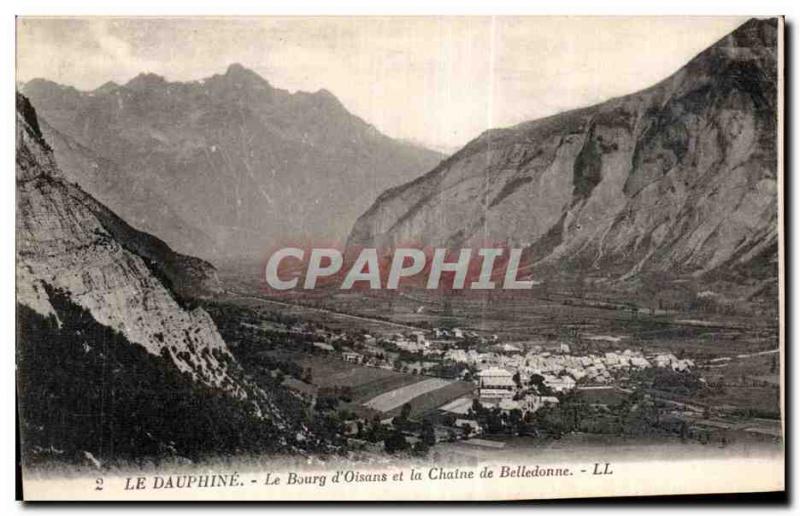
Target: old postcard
399, 258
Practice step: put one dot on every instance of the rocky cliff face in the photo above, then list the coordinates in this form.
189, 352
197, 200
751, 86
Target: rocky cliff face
680, 177
225, 166
186, 276
69, 243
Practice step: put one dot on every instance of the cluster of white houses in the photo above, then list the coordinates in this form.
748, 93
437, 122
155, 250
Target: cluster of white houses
505, 371
561, 370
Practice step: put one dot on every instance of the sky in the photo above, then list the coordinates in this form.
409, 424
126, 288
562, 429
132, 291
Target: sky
437, 81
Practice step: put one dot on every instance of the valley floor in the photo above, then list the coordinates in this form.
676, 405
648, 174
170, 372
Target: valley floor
357, 364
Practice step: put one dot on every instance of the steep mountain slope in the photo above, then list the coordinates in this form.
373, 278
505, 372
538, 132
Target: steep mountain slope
87, 280
134, 201
230, 157
680, 177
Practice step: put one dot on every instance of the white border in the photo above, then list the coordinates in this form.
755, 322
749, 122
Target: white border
337, 7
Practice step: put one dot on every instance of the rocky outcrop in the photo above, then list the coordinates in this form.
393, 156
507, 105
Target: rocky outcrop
680, 177
186, 276
226, 166
69, 242
113, 357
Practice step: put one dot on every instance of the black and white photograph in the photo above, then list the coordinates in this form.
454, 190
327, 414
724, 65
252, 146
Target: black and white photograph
463, 258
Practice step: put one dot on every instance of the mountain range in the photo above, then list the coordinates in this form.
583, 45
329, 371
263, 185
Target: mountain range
226, 166
679, 178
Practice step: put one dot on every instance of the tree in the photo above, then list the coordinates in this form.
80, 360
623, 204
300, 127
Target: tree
542, 389
515, 418
326, 403
428, 433
405, 412
395, 442
476, 406
495, 421
421, 448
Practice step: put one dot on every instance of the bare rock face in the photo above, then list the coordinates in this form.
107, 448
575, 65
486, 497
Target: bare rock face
226, 166
680, 177
68, 241
136, 202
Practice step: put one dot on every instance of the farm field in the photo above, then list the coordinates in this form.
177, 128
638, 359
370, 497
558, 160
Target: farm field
458, 406
375, 391
364, 382
530, 316
398, 397
610, 395
434, 400
750, 384
334, 372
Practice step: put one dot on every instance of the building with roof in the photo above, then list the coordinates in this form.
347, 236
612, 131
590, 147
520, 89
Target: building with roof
352, 356
495, 383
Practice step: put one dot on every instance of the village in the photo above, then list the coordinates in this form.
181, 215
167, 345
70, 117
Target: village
449, 384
